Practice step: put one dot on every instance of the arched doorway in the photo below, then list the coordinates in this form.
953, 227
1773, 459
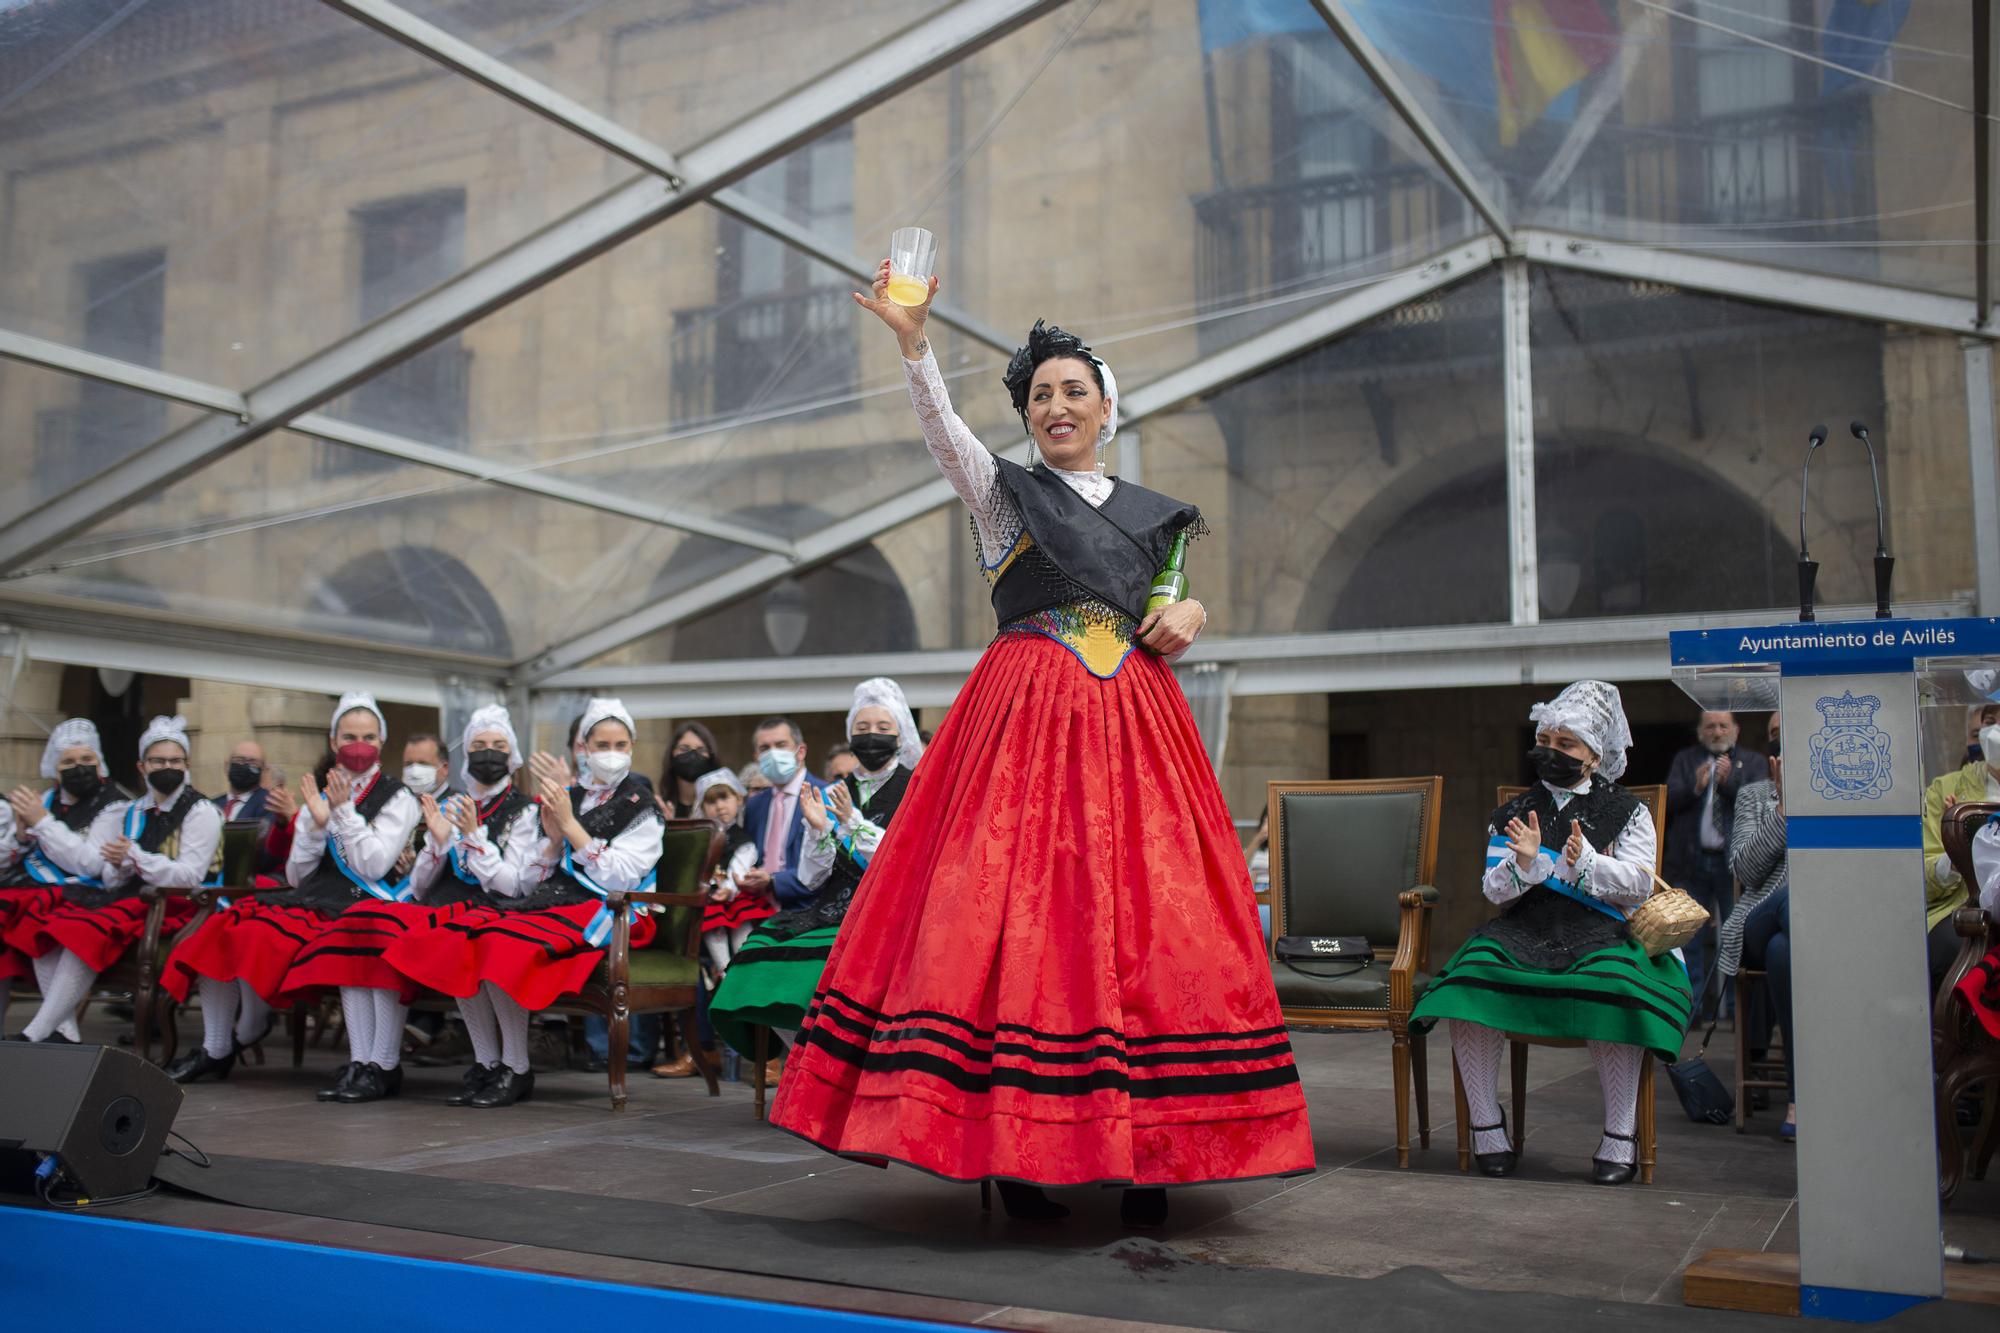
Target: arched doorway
417, 595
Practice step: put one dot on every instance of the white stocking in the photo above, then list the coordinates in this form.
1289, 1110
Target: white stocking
357, 1011
251, 1013
1618, 1070
67, 987
513, 1020
390, 1011
482, 1027
1478, 1048
218, 1015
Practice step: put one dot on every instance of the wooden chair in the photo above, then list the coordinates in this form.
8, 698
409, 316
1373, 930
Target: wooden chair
1654, 798
1357, 858
1964, 1055
1766, 1072
136, 975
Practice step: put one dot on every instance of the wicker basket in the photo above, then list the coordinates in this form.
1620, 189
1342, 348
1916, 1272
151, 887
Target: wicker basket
1667, 920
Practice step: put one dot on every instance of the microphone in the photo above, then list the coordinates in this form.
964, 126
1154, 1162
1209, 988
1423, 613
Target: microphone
1885, 564
1808, 567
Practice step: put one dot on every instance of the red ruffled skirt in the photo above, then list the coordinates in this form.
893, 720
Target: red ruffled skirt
98, 935
1053, 970
742, 910
534, 956
1980, 989
352, 950
252, 941
21, 905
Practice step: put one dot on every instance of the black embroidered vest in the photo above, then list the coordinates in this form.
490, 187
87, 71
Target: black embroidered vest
829, 906
326, 889
1107, 554
460, 886
632, 800
1542, 928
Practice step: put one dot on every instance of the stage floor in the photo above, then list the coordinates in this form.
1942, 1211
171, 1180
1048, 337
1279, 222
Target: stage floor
799, 1226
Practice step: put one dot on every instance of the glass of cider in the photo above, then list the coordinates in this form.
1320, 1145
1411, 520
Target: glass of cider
912, 260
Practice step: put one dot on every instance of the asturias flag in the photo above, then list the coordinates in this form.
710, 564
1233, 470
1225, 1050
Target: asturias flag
1542, 49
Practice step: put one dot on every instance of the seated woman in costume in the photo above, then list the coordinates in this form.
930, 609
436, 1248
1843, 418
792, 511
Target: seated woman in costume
1567, 860
773, 977
45, 847
1758, 932
517, 953
345, 841
170, 838
477, 850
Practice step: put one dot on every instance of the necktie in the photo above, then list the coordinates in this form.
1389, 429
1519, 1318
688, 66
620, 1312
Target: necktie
775, 829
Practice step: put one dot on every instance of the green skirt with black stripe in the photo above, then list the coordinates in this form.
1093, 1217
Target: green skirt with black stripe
1612, 993
769, 984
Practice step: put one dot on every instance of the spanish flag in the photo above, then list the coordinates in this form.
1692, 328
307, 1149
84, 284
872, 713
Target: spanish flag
1542, 49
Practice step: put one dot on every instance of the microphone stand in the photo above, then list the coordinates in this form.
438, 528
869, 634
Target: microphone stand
1808, 567
1885, 564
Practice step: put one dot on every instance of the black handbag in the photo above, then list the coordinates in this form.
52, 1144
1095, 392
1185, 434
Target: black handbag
1704, 1096
1291, 950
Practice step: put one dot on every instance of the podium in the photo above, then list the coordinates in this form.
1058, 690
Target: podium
1851, 695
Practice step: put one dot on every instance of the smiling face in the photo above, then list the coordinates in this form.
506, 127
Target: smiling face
1066, 410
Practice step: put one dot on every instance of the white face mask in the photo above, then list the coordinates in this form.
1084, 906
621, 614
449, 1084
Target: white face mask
609, 766
1989, 745
420, 778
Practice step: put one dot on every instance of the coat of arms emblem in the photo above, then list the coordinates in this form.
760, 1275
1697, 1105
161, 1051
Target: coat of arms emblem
1849, 756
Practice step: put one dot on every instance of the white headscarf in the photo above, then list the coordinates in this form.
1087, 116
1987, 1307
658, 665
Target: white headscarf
173, 729
717, 777
348, 703
881, 692
68, 733
492, 717
1110, 426
598, 710
1592, 712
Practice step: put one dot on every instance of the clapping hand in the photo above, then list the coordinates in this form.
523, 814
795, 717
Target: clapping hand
812, 808
1525, 839
1573, 848
434, 820
461, 811
281, 803
27, 806
314, 802
118, 851
339, 787
841, 802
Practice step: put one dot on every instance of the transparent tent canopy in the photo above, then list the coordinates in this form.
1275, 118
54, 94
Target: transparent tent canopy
518, 334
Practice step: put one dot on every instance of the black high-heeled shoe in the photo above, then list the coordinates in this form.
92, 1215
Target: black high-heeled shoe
1495, 1164
1027, 1203
1143, 1206
1604, 1172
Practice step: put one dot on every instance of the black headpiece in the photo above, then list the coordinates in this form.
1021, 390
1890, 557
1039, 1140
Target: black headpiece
1045, 343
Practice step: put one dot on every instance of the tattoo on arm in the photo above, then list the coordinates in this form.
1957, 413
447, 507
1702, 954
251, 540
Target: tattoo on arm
923, 346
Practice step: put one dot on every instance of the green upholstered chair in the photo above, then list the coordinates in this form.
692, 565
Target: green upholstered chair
664, 977
1357, 858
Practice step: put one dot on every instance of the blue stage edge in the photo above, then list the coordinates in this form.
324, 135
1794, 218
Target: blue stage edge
61, 1270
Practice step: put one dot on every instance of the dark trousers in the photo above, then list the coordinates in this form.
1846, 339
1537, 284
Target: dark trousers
1708, 882
1767, 945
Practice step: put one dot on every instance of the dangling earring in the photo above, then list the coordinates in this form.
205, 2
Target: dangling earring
1100, 453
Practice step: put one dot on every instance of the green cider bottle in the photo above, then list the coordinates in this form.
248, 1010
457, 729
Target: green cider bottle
1170, 585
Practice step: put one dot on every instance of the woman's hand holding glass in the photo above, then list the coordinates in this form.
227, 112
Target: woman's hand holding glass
905, 321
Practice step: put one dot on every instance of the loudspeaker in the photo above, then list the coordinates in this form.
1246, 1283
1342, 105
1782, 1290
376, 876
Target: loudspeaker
102, 1112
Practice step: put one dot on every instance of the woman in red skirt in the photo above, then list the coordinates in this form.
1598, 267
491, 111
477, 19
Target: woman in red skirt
167, 839
45, 846
345, 840
517, 953
1052, 973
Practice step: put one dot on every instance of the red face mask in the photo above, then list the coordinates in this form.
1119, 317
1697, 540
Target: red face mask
357, 756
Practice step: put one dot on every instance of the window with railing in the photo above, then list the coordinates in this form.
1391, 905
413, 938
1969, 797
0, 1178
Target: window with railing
407, 246
781, 330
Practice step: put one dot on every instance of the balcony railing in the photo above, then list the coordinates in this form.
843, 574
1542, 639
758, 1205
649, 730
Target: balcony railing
782, 348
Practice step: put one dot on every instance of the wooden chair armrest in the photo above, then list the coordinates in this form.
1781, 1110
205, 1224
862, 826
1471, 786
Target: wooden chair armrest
1972, 924
666, 899
1413, 935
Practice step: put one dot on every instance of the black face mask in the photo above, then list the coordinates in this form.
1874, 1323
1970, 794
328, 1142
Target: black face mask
1556, 768
1774, 747
1973, 753
166, 781
691, 764
489, 766
80, 782
243, 774
874, 748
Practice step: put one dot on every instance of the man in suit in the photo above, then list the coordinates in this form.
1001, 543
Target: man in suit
774, 819
1701, 809
246, 797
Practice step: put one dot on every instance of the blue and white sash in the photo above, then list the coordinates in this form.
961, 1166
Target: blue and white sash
599, 929
38, 867
1498, 849
388, 893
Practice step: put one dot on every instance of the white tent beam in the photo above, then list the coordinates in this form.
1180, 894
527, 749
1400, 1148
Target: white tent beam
1209, 375
798, 117
497, 76
1390, 84
69, 360
1763, 283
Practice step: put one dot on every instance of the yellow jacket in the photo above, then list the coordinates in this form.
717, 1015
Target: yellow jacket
1942, 897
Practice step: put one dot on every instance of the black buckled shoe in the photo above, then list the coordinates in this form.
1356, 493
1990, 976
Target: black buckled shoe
477, 1079
369, 1084
343, 1078
1603, 1172
1143, 1206
1495, 1164
506, 1088
199, 1064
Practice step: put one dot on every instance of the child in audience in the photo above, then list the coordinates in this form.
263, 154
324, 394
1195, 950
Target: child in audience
731, 910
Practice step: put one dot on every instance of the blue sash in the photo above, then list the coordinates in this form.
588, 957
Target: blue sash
38, 867
1498, 850
388, 893
599, 929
